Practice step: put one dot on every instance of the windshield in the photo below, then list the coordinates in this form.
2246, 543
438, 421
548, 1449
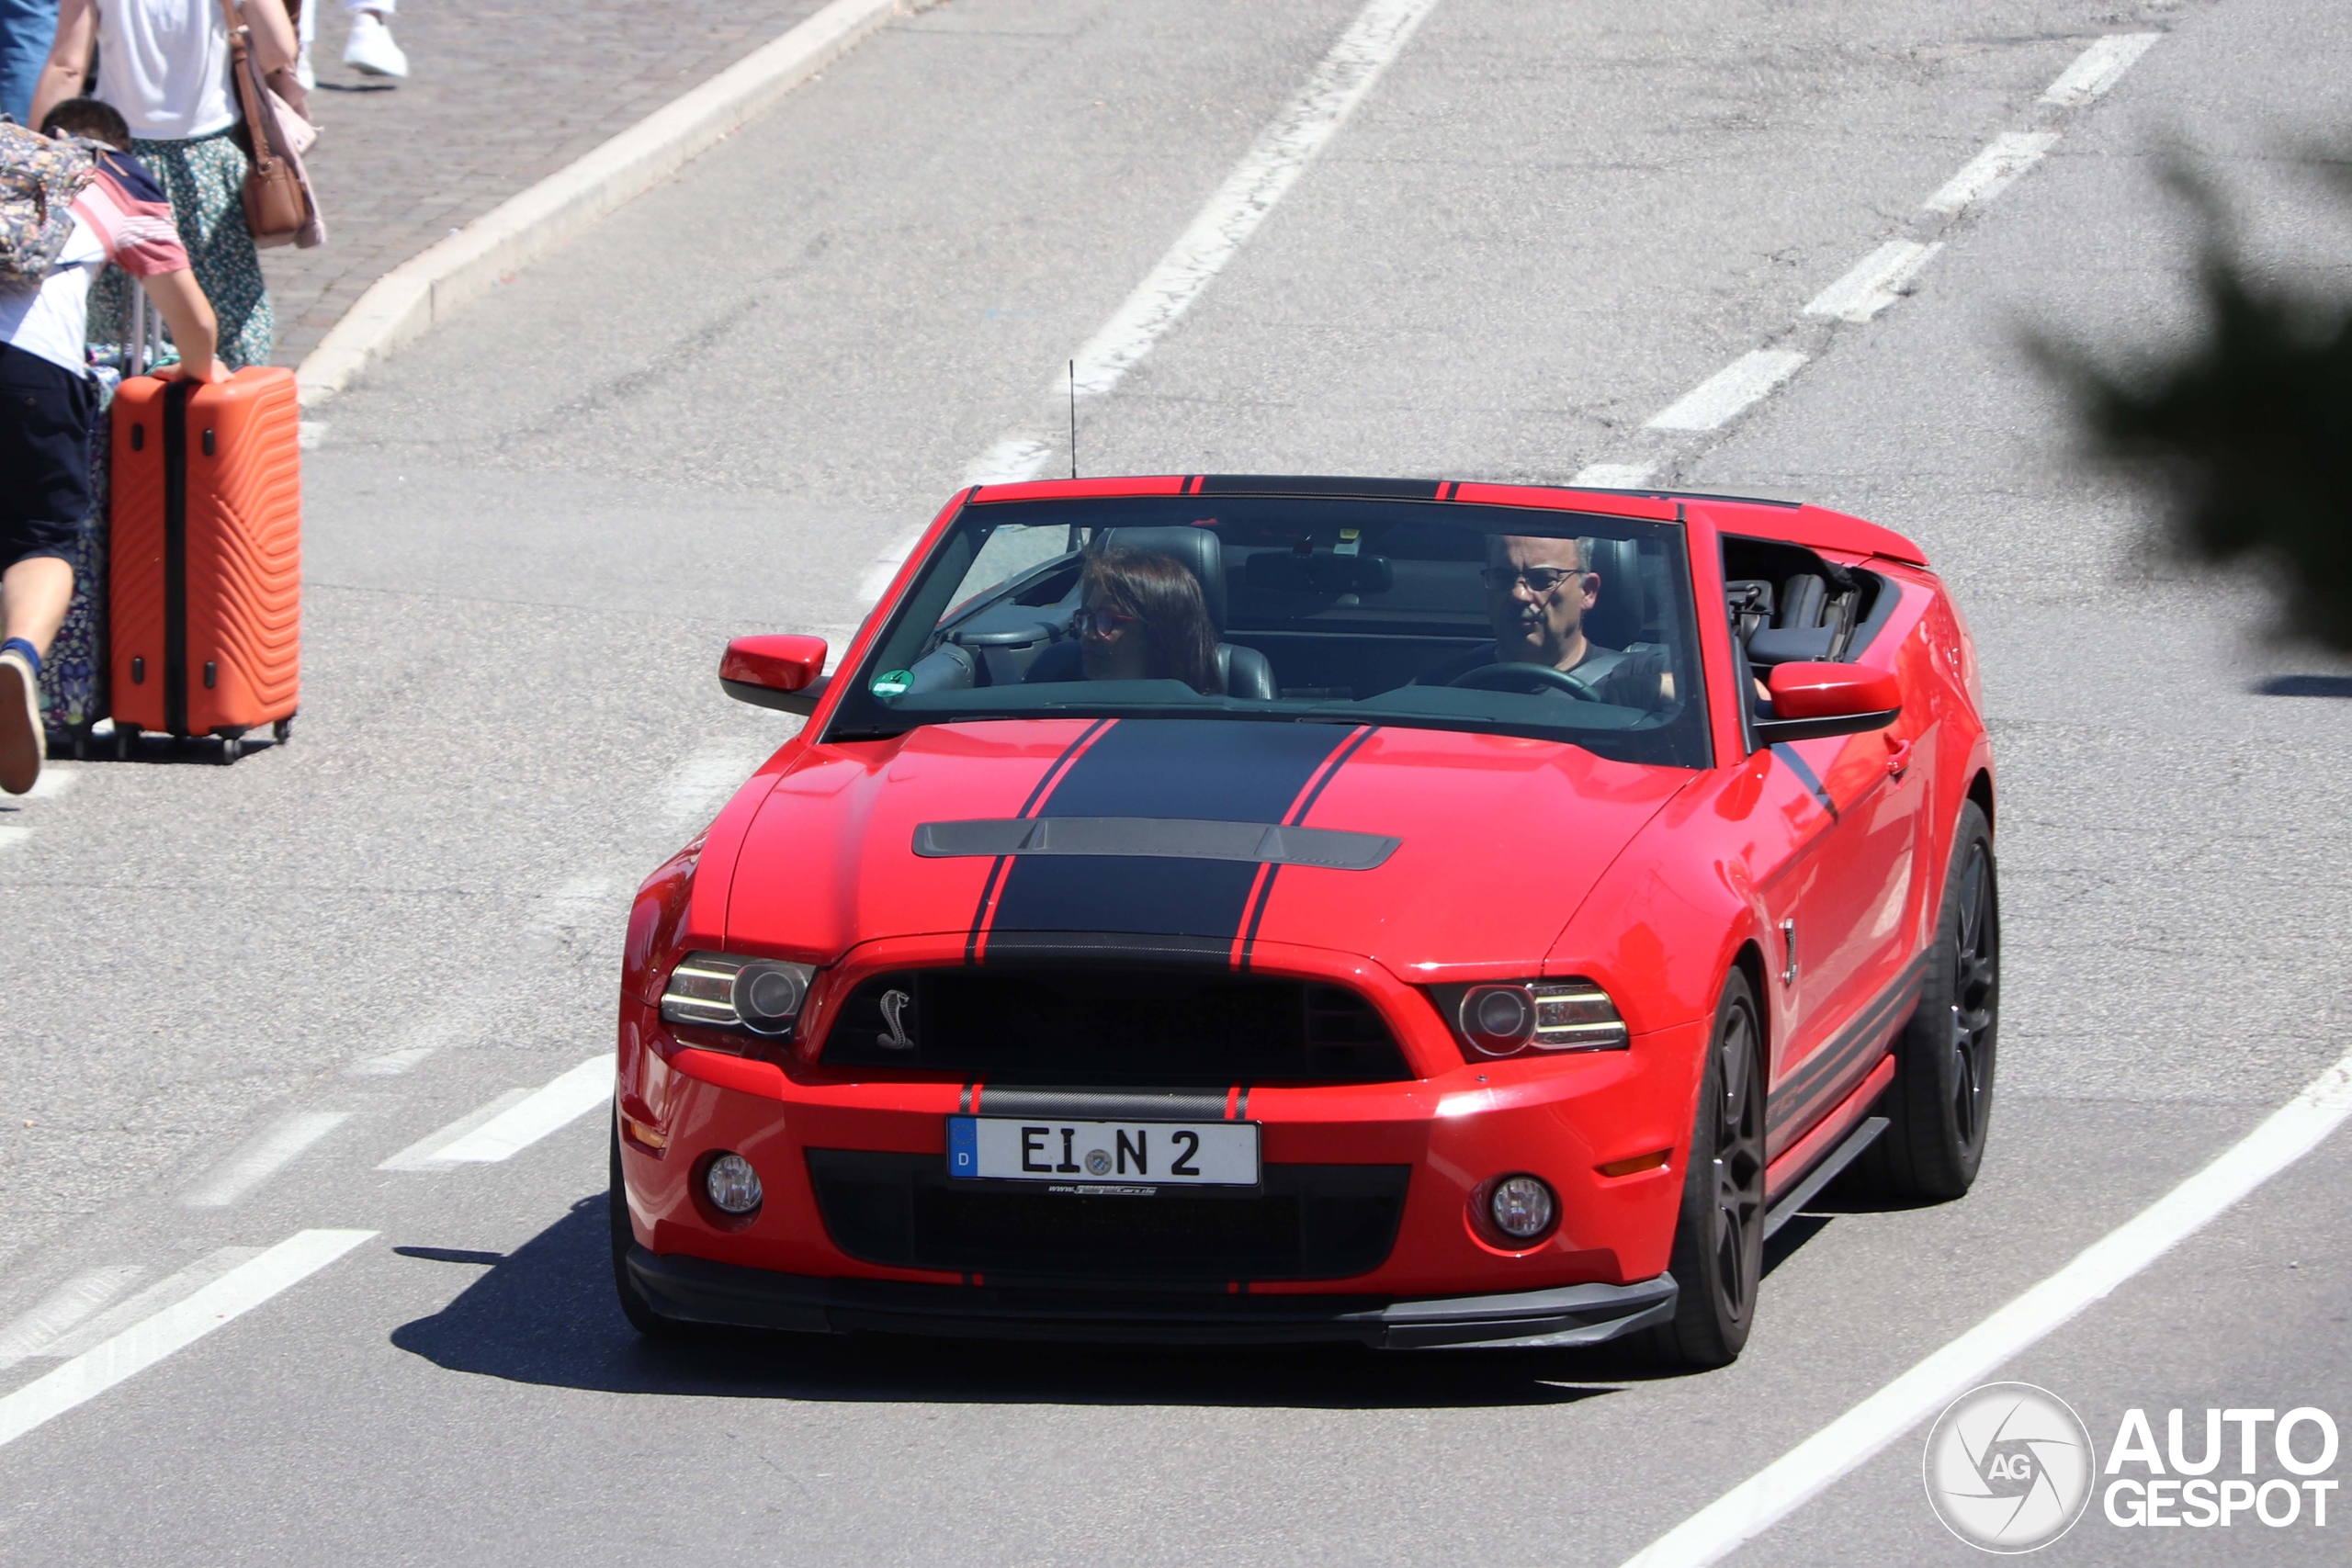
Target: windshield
1560, 626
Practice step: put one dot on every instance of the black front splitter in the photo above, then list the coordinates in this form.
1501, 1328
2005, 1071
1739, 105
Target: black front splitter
690, 1290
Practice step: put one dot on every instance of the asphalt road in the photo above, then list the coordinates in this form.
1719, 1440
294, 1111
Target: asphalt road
530, 534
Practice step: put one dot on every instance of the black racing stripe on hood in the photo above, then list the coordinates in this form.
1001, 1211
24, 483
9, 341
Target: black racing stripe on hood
1202, 769
1028, 807
1265, 889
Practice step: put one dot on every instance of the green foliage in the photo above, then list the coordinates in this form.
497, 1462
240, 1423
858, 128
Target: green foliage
2248, 429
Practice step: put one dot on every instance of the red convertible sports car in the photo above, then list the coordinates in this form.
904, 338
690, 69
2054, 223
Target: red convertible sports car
1250, 909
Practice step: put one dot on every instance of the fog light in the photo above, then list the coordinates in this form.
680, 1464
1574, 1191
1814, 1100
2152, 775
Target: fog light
1522, 1207
734, 1186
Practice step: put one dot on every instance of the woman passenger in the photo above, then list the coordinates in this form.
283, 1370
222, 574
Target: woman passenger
1142, 619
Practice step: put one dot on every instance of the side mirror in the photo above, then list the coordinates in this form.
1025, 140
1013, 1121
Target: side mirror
781, 673
1810, 700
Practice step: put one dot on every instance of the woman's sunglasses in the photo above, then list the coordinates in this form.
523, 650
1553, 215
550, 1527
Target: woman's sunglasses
1102, 623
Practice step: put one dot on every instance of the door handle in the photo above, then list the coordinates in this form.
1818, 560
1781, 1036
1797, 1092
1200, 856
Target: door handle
1898, 757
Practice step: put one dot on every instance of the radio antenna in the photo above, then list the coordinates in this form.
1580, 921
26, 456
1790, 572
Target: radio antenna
1073, 419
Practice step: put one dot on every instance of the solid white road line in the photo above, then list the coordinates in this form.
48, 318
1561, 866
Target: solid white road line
1722, 397
1376, 37
1876, 281
142, 1345
262, 1157
1805, 1471
2098, 68
58, 1311
425, 1153
1989, 173
542, 1111
1615, 476
1265, 174
170, 1291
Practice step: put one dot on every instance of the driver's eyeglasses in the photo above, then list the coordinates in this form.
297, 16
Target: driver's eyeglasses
1102, 623
1539, 579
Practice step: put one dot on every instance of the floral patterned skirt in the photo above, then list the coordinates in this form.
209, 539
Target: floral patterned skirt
204, 178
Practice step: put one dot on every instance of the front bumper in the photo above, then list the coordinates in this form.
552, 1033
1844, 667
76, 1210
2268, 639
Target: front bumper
691, 1290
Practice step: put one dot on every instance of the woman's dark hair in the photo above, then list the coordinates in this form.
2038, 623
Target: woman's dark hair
1162, 593
91, 118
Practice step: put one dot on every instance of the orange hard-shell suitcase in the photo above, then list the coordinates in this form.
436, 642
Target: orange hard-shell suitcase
205, 590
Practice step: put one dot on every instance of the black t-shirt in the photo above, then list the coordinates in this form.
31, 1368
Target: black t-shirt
1629, 680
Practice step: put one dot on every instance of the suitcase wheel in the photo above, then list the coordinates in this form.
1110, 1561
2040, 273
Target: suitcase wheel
231, 748
126, 736
283, 730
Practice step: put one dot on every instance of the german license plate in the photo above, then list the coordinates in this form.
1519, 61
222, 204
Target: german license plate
1200, 1154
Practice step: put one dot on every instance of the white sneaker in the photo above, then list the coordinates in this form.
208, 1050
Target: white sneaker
307, 78
371, 51
22, 742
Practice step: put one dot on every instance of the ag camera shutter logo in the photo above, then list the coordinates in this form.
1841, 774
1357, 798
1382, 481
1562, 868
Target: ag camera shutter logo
2009, 1467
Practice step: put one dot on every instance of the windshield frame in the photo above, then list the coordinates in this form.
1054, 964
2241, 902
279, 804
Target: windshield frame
856, 713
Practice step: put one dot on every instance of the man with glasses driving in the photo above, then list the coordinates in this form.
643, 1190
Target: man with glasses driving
1538, 590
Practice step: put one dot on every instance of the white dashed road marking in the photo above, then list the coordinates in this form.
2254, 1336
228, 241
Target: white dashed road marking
167, 1292
1724, 396
56, 1314
1988, 174
1805, 1471
263, 1155
144, 1344
425, 1153
542, 1111
1878, 281
2098, 68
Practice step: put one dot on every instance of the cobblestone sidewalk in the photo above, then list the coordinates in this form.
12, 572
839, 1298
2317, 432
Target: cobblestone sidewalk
498, 97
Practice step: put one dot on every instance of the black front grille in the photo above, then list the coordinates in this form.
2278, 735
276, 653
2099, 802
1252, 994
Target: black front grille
1307, 1222
1112, 1026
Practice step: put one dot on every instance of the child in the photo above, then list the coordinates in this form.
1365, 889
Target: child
47, 403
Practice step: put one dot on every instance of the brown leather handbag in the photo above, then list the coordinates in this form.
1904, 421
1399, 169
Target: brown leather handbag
277, 204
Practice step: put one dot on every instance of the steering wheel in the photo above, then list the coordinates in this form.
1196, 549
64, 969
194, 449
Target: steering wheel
1524, 678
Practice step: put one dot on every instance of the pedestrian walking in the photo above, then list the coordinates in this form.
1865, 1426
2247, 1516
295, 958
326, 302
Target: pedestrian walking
27, 29
164, 65
47, 398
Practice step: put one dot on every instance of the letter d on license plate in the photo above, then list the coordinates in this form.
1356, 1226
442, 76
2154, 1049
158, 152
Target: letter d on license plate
1007, 1149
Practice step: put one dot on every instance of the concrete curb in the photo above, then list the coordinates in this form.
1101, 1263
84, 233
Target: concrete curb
430, 287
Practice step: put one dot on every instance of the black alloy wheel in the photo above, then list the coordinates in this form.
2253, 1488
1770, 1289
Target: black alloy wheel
1718, 1259
1939, 1106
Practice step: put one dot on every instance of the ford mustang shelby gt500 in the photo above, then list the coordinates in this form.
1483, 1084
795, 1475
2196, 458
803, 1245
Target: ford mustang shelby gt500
1261, 909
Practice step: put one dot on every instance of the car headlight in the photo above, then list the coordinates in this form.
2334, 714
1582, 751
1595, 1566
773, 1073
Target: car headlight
1531, 1017
719, 990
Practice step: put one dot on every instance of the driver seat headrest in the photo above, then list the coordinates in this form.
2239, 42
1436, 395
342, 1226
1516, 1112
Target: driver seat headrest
1620, 614
1199, 550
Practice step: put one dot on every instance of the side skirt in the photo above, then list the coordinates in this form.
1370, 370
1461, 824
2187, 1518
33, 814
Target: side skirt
1793, 1180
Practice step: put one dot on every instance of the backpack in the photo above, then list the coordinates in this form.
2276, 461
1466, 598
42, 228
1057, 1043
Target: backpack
39, 180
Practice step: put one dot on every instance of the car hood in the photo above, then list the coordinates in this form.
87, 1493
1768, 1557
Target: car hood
1434, 853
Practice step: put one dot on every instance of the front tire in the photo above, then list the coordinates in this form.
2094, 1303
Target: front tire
634, 1306
1939, 1106
1718, 1259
